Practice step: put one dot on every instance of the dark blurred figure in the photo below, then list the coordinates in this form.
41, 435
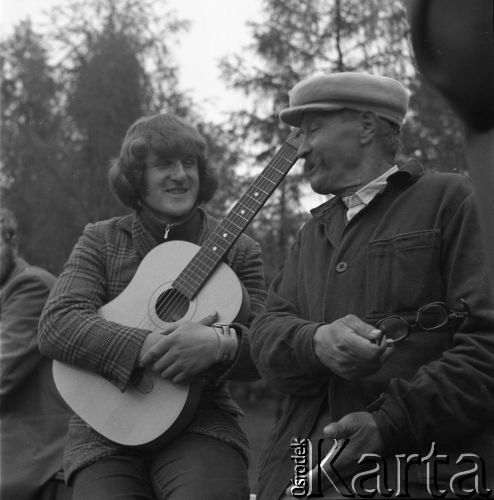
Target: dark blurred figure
33, 418
453, 42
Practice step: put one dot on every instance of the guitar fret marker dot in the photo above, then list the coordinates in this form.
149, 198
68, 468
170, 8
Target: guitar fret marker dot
225, 235
215, 248
256, 194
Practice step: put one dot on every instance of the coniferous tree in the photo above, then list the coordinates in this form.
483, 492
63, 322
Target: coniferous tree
299, 38
63, 120
30, 135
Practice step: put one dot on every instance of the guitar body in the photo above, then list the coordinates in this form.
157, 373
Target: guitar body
155, 410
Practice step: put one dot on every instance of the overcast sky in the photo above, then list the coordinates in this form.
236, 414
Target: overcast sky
218, 28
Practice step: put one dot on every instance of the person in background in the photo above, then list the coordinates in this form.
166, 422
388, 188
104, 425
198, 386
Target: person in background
380, 327
33, 417
453, 43
162, 173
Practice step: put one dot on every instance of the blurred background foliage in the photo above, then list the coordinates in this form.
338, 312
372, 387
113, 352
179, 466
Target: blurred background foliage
70, 92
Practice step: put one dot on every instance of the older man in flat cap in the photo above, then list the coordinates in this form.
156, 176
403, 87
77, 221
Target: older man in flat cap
380, 327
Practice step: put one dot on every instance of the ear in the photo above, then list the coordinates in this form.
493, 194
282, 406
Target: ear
13, 244
368, 127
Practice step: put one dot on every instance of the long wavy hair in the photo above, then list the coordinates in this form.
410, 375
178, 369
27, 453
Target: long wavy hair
167, 136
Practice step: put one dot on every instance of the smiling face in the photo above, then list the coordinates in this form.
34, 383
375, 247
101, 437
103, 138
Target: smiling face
333, 152
172, 185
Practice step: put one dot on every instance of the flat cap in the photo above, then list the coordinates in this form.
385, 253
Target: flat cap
384, 96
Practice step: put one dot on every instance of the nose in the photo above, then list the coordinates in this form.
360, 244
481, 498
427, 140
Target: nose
178, 170
304, 148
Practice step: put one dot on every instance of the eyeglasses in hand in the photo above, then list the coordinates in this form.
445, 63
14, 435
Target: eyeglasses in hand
430, 317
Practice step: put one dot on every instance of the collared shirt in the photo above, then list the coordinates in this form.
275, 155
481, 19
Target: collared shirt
360, 199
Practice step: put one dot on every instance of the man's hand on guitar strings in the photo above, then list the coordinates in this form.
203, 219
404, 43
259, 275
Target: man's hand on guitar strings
181, 351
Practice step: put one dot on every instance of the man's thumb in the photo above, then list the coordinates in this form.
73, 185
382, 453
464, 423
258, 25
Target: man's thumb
209, 319
337, 430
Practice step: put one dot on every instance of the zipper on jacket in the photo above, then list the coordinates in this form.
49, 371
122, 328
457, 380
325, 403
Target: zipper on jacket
167, 230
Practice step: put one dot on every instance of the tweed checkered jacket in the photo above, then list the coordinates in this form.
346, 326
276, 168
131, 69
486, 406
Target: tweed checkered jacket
102, 263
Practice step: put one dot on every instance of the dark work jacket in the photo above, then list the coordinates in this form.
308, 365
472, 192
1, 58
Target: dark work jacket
415, 243
33, 417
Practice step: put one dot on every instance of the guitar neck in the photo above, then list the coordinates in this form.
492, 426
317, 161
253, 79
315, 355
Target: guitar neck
196, 273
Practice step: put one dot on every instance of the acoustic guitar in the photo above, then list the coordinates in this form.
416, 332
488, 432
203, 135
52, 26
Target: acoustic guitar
193, 283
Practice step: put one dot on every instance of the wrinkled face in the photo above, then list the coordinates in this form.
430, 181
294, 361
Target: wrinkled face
7, 259
172, 185
332, 152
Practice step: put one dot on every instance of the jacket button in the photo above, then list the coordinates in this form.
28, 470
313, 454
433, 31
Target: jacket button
341, 267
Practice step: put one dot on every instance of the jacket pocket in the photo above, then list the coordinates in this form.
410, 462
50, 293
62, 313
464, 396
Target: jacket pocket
403, 272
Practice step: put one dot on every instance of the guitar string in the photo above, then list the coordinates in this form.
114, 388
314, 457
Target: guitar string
263, 184
235, 218
178, 299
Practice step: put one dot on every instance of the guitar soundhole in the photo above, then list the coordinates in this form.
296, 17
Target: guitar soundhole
171, 306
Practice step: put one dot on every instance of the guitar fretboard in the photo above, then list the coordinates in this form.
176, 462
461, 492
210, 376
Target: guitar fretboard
196, 273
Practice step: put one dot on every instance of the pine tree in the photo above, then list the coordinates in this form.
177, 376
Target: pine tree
65, 111
30, 134
299, 38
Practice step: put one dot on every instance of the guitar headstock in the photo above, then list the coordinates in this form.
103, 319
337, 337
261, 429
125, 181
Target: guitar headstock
294, 139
